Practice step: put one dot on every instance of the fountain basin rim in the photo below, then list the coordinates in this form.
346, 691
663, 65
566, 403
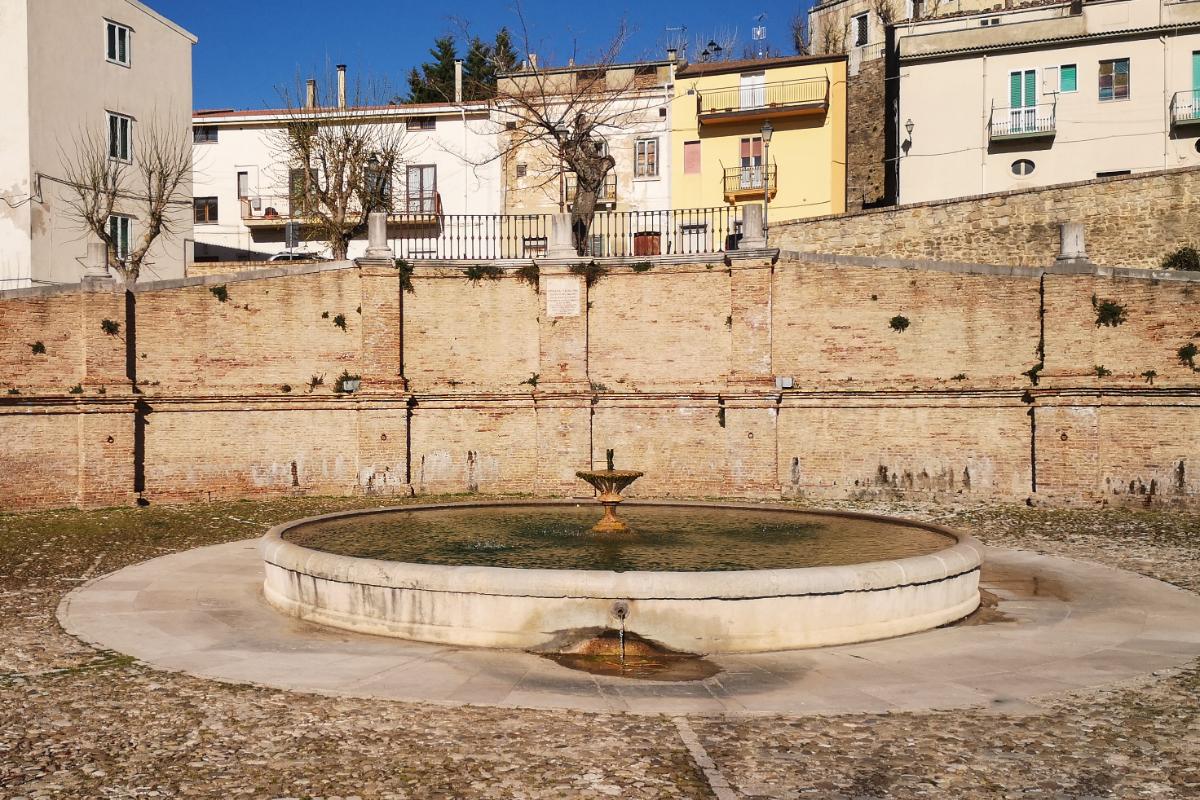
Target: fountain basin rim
960, 558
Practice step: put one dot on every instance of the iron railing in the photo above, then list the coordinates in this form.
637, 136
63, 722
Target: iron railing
471, 236
689, 231
1024, 122
744, 180
810, 91
281, 208
1185, 107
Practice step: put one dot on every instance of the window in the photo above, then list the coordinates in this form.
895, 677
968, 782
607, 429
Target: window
204, 134
1022, 101
989, 22
118, 230
421, 123
421, 189
1068, 78
1022, 167
1113, 174
860, 29
206, 210
691, 158
522, 170
1114, 79
243, 185
120, 130
299, 182
117, 43
645, 158
753, 88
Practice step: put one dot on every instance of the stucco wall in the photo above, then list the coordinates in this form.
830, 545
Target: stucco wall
674, 368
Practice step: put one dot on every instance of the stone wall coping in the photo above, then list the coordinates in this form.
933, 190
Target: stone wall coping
979, 198
998, 270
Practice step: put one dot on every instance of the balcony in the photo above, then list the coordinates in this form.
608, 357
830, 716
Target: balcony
770, 100
1185, 108
605, 201
267, 212
747, 183
1026, 122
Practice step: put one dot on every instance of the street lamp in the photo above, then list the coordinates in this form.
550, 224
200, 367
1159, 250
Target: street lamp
767, 131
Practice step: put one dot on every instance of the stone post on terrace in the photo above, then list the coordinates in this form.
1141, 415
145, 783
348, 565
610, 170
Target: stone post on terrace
1072, 248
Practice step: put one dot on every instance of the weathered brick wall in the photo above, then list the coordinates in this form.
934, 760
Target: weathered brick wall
1130, 221
674, 368
866, 115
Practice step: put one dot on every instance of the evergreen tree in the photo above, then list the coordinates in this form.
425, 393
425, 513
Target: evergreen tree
479, 80
435, 82
504, 57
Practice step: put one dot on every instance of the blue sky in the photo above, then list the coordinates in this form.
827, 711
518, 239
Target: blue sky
248, 49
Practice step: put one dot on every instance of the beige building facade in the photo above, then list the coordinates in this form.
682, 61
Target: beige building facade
1000, 101
74, 68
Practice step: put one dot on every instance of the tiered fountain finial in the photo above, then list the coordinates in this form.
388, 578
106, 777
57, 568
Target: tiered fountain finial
609, 483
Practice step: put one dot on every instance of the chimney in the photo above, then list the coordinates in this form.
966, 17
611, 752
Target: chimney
1076, 7
310, 95
341, 70
458, 80
672, 55
533, 61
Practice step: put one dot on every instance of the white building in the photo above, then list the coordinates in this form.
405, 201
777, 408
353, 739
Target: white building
242, 180
105, 68
1005, 100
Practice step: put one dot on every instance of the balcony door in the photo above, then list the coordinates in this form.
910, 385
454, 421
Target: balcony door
753, 92
751, 163
421, 189
1022, 88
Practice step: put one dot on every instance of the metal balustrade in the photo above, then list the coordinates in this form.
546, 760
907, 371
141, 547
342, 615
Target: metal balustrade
470, 236
1185, 107
1023, 122
810, 92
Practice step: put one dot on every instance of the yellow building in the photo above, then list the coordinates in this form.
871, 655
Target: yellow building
718, 155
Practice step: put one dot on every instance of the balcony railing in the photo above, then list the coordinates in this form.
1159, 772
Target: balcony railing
747, 181
774, 99
608, 193
1025, 122
1185, 107
267, 211
629, 234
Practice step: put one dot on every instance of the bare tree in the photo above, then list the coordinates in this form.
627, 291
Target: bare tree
798, 27
886, 11
341, 152
142, 174
835, 34
562, 117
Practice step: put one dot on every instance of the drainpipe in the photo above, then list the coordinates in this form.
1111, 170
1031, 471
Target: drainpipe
987, 127
341, 81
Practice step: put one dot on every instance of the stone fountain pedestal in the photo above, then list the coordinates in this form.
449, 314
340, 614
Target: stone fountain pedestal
609, 483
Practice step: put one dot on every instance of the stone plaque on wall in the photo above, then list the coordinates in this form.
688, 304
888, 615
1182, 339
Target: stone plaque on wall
563, 298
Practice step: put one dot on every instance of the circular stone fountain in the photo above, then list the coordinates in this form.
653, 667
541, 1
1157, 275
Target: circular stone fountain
691, 577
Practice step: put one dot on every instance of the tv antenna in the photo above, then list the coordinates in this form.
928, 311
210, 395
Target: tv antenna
759, 34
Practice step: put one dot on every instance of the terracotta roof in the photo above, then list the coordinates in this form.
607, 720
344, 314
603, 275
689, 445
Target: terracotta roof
399, 109
718, 67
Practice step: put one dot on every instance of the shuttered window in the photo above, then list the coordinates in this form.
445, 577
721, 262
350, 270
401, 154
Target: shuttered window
691, 158
120, 135
1022, 91
117, 43
1068, 80
118, 229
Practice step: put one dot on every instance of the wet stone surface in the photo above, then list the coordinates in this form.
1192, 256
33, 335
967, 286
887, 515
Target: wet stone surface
79, 723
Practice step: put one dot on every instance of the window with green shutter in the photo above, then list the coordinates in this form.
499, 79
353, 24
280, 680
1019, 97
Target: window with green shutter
1022, 88
1068, 80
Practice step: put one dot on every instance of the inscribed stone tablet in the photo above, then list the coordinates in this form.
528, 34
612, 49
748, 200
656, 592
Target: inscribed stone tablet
563, 297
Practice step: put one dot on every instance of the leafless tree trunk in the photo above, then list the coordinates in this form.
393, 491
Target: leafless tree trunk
800, 33
885, 10
341, 159
561, 117
151, 186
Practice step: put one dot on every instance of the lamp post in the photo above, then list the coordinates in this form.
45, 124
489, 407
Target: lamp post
767, 131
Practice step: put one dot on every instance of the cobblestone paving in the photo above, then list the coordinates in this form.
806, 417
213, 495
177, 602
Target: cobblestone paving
77, 723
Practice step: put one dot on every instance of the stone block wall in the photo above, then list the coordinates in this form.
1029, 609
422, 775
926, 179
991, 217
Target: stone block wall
866, 114
1130, 221
675, 368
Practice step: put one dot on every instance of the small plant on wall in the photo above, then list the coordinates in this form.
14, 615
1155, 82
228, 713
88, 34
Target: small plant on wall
110, 327
481, 272
1150, 375
591, 272
642, 266
1187, 355
340, 321
38, 349
347, 383
221, 293
532, 380
1109, 313
1102, 371
899, 323
314, 382
76, 389
529, 274
406, 272
1185, 258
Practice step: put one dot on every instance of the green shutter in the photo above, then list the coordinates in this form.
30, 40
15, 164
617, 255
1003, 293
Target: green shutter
1068, 79
1196, 69
1014, 89
1030, 87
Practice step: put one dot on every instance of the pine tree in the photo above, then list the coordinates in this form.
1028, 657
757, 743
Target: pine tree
435, 82
479, 77
504, 57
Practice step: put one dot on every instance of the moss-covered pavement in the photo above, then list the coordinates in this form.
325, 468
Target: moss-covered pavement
75, 722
